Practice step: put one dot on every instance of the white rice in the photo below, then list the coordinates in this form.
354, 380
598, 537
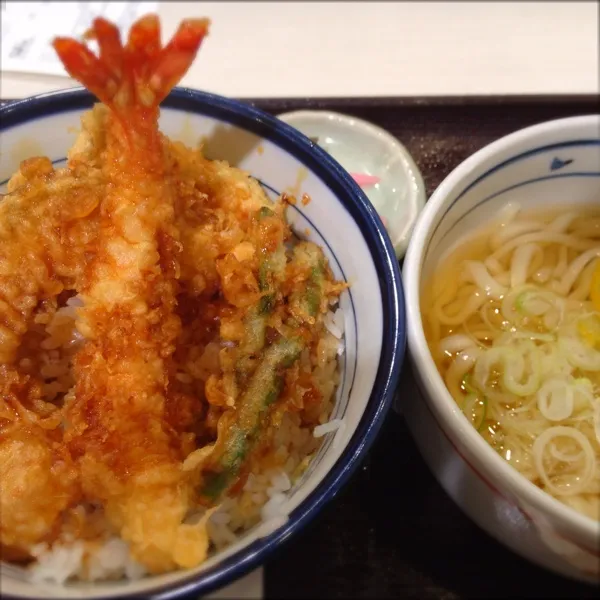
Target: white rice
337, 440
74, 302
268, 494
280, 482
111, 560
335, 425
329, 427
58, 564
334, 323
273, 513
273, 508
272, 525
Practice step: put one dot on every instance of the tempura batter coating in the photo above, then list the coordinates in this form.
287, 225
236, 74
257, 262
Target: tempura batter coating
47, 227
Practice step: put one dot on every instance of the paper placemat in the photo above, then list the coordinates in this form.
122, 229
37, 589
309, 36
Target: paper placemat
28, 29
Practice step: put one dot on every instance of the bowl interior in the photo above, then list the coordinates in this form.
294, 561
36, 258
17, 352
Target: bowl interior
545, 176
282, 161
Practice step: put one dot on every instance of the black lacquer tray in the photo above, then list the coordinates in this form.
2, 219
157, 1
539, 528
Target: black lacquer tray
392, 532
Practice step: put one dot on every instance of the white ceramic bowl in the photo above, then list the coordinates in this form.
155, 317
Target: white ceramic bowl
548, 164
339, 218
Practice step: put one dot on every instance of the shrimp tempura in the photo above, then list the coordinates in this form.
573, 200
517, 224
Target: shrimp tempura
48, 223
120, 429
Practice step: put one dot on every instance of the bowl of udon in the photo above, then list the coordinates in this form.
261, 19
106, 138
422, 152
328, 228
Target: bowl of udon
193, 357
502, 281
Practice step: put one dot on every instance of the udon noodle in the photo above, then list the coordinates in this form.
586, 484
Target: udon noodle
512, 318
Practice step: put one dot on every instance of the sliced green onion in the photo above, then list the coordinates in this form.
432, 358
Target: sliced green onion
475, 409
520, 301
467, 383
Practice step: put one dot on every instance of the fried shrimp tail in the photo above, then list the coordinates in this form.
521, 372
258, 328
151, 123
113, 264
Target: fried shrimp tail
132, 79
139, 74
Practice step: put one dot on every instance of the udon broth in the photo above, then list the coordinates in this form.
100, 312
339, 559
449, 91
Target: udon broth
512, 319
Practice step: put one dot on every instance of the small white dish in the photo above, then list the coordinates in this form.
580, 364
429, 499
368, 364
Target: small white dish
361, 147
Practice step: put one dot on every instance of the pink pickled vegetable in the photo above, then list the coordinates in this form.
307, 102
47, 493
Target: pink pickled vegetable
365, 180
362, 179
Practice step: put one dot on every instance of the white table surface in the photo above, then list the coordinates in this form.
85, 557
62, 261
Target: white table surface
279, 49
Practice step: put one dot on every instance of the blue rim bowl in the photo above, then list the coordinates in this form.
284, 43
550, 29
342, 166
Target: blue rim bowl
394, 323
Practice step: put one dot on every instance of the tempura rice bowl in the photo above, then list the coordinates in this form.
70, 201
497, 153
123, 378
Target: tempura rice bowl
369, 324
547, 165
